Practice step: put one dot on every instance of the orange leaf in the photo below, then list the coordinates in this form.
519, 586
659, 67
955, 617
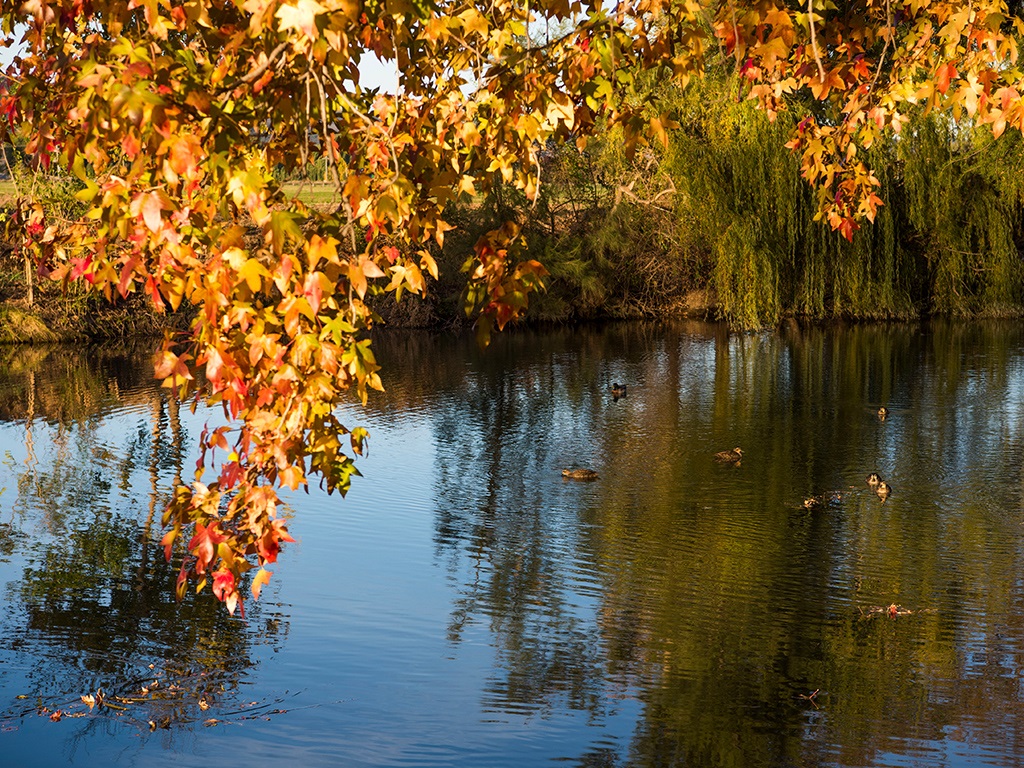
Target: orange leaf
357, 278
322, 249
943, 75
150, 207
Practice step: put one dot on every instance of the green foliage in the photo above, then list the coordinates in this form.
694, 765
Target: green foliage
746, 225
964, 197
741, 196
723, 207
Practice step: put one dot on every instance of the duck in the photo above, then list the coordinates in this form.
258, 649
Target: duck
732, 457
883, 490
882, 413
874, 480
579, 474
618, 390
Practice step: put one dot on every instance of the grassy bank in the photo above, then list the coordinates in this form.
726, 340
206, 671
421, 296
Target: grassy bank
72, 314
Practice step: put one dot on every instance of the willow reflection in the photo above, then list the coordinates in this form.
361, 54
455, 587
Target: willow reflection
708, 593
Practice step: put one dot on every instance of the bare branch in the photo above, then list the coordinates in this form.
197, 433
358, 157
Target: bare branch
257, 73
814, 41
885, 48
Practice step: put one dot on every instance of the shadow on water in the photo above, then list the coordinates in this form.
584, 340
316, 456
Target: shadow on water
89, 451
707, 595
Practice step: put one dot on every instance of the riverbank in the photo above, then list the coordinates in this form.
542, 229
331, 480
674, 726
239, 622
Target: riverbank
72, 314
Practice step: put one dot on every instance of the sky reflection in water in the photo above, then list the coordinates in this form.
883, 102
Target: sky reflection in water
466, 606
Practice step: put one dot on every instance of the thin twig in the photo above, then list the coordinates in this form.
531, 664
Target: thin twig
888, 39
333, 161
257, 73
735, 30
814, 41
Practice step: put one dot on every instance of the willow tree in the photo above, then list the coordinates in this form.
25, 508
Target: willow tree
173, 114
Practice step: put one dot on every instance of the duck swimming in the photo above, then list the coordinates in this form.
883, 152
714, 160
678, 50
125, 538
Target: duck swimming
579, 474
732, 457
883, 490
874, 479
618, 390
882, 413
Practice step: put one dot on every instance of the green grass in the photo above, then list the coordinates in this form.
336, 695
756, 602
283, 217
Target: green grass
312, 193
315, 193
18, 325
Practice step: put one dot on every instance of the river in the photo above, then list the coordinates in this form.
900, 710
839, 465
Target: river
467, 606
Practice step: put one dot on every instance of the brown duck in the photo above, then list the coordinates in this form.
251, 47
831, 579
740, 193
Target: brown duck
579, 474
730, 457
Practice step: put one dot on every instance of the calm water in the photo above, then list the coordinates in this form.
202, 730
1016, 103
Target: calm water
465, 606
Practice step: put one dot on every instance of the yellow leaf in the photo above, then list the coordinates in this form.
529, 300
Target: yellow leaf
427, 262
174, 290
560, 109
301, 17
252, 272
441, 226
474, 22
261, 578
659, 131
357, 279
466, 185
322, 249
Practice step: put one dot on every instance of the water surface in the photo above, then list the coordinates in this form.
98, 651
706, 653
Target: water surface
466, 606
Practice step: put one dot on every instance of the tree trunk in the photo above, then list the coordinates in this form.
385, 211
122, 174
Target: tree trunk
28, 280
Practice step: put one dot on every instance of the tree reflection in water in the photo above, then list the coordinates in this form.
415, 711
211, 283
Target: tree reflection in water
708, 594
675, 612
91, 449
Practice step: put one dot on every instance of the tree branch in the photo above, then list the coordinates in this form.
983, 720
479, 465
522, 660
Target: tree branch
814, 41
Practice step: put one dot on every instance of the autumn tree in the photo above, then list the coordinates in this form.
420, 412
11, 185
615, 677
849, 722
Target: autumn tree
171, 117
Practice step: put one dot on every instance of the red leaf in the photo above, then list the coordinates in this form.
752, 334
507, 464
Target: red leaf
847, 228
943, 75
270, 543
204, 545
130, 145
224, 589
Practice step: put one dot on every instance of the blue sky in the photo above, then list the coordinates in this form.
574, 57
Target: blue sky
375, 73
9, 50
